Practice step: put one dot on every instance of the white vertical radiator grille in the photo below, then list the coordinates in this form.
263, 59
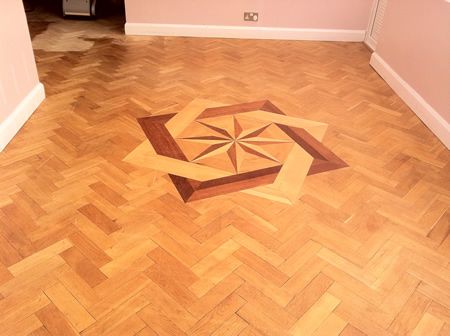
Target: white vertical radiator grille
379, 18
376, 23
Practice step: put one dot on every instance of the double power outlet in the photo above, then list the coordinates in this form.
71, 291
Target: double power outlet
251, 16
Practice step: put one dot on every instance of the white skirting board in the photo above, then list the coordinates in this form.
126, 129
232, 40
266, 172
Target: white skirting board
265, 33
430, 117
371, 43
12, 124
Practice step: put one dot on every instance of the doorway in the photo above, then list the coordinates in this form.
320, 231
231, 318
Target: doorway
52, 32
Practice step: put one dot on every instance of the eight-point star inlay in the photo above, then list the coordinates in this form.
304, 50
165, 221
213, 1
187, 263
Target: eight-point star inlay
234, 143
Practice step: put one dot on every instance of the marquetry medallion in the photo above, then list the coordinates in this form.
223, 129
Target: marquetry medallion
209, 150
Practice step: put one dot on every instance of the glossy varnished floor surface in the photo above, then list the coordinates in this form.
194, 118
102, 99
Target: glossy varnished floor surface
94, 245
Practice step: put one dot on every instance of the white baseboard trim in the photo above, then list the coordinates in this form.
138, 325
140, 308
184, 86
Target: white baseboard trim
12, 124
371, 43
265, 33
430, 117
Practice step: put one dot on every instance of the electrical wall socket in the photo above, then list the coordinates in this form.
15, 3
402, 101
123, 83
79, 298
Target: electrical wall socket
251, 16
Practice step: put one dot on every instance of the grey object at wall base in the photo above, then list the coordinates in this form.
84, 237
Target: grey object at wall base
79, 7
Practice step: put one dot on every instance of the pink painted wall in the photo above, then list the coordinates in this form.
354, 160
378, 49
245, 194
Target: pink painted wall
18, 74
415, 42
321, 14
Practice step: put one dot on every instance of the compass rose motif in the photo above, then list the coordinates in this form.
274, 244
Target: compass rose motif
235, 143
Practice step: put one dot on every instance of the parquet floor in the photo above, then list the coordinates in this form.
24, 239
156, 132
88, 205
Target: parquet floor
93, 245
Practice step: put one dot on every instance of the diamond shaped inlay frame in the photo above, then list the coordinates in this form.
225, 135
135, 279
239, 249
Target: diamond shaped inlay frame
209, 150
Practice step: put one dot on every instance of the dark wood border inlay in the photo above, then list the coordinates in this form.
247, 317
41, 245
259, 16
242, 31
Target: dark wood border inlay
263, 105
191, 190
160, 138
324, 159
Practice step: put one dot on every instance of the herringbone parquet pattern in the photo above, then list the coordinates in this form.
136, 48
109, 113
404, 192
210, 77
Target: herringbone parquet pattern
93, 245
